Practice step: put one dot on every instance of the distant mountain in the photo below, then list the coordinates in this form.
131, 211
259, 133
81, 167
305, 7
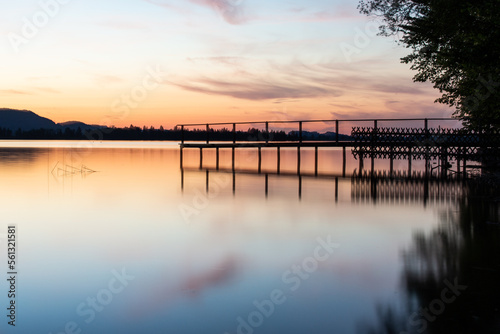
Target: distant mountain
25, 120
314, 135
74, 125
341, 136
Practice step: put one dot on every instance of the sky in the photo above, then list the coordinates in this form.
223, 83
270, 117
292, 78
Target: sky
165, 62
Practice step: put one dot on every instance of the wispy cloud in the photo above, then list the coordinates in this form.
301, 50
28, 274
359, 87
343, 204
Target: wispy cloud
14, 92
313, 13
162, 294
107, 79
40, 78
397, 87
256, 90
408, 108
243, 78
220, 60
47, 90
123, 25
232, 11
32, 91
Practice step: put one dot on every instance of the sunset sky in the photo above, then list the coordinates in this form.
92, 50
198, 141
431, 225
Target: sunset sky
163, 62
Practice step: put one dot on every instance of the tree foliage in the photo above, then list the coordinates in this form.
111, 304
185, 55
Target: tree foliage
455, 45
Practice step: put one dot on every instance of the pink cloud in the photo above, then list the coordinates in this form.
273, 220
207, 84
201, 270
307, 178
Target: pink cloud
123, 25
256, 90
232, 11
14, 92
238, 78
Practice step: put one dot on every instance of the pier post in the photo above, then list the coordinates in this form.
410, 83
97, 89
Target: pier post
233, 148
182, 179
182, 146
426, 140
391, 164
217, 158
444, 161
336, 130
409, 161
267, 132
234, 182
343, 160
300, 187
426, 190
232, 157
207, 185
316, 161
298, 160
464, 166
260, 159
208, 133
201, 158
234, 133
373, 143
336, 189
372, 162
267, 184
427, 163
181, 155
361, 164
278, 160
373, 189
300, 132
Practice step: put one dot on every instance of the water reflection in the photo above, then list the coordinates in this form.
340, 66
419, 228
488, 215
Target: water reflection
451, 275
381, 187
203, 245
214, 178
10, 156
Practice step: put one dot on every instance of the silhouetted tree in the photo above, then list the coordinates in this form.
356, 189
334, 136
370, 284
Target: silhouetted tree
454, 45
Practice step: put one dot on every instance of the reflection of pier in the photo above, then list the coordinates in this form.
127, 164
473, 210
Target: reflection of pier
266, 176
397, 187
402, 188
374, 142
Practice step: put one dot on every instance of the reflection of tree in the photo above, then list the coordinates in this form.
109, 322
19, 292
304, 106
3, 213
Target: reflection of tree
466, 247
435, 257
19, 155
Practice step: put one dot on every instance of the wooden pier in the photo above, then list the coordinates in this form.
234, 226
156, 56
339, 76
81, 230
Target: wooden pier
409, 141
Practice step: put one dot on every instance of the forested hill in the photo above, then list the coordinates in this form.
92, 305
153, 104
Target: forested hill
25, 120
24, 124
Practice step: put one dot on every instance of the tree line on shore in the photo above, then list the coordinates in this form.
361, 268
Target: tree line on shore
137, 133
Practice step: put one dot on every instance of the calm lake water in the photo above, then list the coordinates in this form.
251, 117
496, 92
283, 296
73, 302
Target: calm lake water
114, 238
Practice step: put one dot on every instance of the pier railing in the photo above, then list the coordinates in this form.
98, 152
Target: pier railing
424, 143
299, 125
